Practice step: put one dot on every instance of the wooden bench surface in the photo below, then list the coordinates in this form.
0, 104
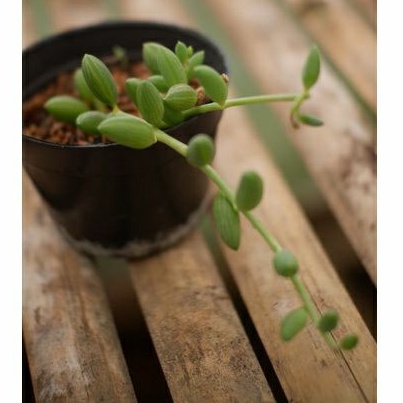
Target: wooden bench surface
198, 322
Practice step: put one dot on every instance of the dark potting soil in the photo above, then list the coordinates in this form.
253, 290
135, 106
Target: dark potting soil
39, 124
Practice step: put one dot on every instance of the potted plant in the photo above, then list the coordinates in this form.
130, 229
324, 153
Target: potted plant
139, 181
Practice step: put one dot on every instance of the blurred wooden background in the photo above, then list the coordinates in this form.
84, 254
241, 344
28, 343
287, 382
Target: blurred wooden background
321, 186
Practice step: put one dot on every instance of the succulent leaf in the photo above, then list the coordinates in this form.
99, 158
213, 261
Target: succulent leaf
310, 73
170, 67
149, 53
181, 51
131, 88
214, 85
285, 263
181, 97
81, 86
150, 103
65, 108
293, 323
196, 60
201, 150
159, 82
310, 120
99, 79
349, 342
89, 121
171, 116
227, 221
328, 321
129, 131
250, 191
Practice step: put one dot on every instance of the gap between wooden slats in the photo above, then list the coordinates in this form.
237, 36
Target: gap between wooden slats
340, 155
71, 342
202, 347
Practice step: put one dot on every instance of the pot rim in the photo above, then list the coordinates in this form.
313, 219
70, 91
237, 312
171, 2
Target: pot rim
105, 25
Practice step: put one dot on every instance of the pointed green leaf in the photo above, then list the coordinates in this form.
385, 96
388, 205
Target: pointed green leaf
131, 88
149, 53
170, 67
196, 60
201, 150
99, 79
349, 342
214, 85
65, 108
310, 120
285, 263
293, 323
250, 191
89, 121
121, 55
128, 131
181, 97
181, 51
159, 82
190, 51
310, 73
81, 86
328, 321
227, 221
149, 103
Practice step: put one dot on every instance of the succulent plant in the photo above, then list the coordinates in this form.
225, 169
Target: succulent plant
165, 99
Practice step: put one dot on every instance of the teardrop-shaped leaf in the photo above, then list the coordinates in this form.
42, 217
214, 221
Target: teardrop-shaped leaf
181, 97
159, 82
149, 103
310, 120
196, 60
214, 85
181, 51
227, 221
349, 342
149, 53
190, 51
170, 67
171, 116
99, 79
128, 131
201, 150
250, 191
65, 108
131, 86
285, 263
293, 323
81, 86
89, 121
310, 73
328, 321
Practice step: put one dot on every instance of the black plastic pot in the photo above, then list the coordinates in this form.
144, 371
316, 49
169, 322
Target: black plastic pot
108, 199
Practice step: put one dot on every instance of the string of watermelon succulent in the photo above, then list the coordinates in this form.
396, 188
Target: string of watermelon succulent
166, 99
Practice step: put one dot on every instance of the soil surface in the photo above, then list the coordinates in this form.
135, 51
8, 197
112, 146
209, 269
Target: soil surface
37, 122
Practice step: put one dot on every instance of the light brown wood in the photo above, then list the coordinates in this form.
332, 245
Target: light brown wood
308, 369
72, 347
28, 31
75, 13
340, 155
332, 25
200, 342
368, 8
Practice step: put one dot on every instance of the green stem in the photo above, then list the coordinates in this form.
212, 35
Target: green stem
258, 99
274, 245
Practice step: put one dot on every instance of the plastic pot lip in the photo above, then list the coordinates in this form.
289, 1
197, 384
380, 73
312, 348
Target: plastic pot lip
115, 24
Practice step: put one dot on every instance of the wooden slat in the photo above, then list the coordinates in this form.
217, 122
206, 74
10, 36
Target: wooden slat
339, 155
203, 350
72, 347
368, 8
332, 25
307, 368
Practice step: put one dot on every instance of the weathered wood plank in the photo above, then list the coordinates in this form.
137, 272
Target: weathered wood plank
308, 369
72, 347
203, 350
75, 13
339, 155
332, 25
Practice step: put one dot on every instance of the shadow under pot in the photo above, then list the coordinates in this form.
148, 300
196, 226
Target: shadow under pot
105, 198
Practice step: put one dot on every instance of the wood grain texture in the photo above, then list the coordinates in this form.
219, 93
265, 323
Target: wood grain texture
340, 155
332, 25
72, 347
308, 369
200, 342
